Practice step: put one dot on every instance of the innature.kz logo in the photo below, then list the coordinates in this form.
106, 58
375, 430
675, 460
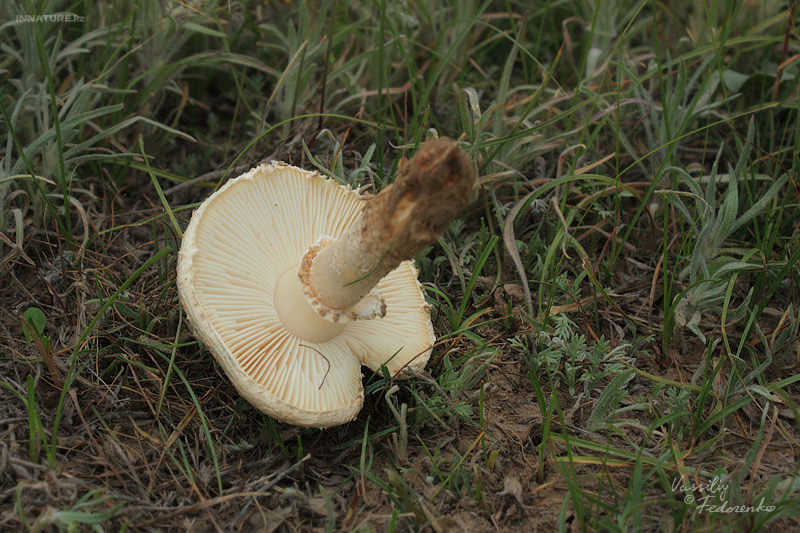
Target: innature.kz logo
55, 17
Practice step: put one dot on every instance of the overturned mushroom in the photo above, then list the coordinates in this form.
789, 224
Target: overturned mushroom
294, 281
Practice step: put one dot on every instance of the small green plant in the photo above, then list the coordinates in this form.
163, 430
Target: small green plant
679, 405
447, 401
355, 177
712, 266
607, 407
33, 324
571, 360
36, 433
455, 315
85, 513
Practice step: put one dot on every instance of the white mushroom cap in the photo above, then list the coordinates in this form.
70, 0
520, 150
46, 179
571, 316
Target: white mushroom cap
237, 281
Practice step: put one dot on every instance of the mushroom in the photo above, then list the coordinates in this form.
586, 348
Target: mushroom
294, 281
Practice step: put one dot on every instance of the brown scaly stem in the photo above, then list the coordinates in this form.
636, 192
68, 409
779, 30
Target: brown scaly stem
431, 189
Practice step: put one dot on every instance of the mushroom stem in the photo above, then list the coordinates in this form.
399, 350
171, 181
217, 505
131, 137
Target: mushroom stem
430, 190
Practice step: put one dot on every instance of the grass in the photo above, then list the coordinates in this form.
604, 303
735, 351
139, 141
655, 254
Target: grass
616, 311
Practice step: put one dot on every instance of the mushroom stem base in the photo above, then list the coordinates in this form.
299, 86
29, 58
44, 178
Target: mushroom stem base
297, 315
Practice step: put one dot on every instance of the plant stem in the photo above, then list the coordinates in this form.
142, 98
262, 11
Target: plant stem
431, 189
